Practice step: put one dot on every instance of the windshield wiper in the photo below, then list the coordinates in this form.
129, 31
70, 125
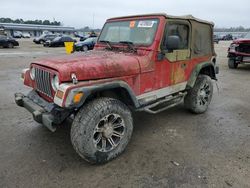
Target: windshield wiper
108, 44
130, 45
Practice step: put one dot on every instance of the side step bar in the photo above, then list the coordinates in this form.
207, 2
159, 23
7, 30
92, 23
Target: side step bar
171, 101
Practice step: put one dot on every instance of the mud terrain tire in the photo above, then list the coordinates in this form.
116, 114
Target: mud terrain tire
232, 64
199, 97
95, 122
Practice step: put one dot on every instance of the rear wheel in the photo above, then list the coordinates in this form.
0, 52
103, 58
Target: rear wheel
199, 97
85, 48
232, 64
10, 45
101, 130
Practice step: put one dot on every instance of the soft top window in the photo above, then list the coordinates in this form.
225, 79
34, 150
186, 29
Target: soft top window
202, 39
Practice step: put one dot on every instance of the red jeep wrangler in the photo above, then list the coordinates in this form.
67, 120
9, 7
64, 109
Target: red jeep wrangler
142, 63
239, 52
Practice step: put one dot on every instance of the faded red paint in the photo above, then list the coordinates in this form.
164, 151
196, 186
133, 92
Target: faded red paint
96, 65
141, 71
240, 41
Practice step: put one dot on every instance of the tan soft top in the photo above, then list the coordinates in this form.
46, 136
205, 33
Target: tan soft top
185, 17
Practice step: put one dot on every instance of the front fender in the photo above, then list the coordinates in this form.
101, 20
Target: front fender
70, 90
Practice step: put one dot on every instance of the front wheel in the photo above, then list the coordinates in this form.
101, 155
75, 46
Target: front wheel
232, 64
101, 130
199, 97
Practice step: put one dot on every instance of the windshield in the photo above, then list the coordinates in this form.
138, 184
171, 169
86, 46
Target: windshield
247, 36
139, 32
57, 38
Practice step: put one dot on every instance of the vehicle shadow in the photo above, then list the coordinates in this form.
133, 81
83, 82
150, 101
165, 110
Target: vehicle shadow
244, 67
59, 143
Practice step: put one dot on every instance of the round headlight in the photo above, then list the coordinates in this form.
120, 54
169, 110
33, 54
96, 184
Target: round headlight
55, 82
32, 73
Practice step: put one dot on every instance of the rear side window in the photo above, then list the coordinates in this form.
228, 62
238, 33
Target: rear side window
63, 39
202, 44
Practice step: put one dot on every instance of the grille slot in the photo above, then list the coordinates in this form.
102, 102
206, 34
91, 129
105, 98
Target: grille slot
42, 79
244, 48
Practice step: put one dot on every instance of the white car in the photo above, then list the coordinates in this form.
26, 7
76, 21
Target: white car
26, 35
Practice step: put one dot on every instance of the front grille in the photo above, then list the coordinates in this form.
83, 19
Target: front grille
245, 48
43, 83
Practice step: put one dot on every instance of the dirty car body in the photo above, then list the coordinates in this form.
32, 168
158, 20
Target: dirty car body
239, 52
141, 63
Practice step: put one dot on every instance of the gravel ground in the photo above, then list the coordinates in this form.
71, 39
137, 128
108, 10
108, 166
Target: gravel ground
170, 149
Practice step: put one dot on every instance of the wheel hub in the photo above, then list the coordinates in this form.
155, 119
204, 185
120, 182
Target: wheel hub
203, 93
108, 130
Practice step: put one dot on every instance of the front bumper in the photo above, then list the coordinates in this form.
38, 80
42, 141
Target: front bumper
43, 112
77, 48
239, 57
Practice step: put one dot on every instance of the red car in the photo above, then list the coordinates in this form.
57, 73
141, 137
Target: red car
140, 63
239, 52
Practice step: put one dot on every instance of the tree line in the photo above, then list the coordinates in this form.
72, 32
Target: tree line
38, 22
232, 29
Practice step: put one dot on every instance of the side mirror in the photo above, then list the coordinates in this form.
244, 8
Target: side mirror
173, 42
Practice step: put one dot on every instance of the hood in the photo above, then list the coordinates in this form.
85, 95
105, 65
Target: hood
93, 65
241, 40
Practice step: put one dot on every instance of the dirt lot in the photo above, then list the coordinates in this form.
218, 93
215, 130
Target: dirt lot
212, 149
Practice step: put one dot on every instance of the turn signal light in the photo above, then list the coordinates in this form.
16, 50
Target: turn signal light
78, 96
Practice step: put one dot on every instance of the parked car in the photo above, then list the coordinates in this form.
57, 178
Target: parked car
26, 35
77, 35
216, 39
227, 37
140, 63
44, 37
58, 41
239, 52
7, 42
17, 34
47, 33
91, 35
86, 45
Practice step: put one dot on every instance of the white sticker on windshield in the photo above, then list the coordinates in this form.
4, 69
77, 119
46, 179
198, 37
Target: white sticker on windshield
146, 23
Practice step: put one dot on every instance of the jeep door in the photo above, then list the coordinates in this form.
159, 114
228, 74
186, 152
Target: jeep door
176, 44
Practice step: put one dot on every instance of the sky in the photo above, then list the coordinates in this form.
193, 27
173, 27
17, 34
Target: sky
79, 13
